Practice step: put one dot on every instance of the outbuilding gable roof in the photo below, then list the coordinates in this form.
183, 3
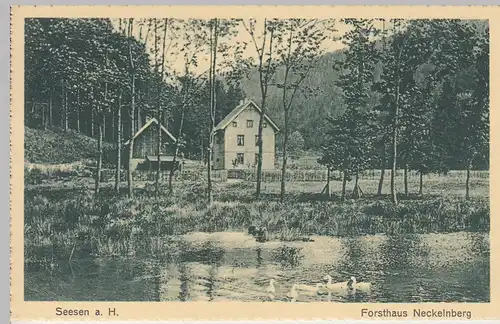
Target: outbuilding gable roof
143, 128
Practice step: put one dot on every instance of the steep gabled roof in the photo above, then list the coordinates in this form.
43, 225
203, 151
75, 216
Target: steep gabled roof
236, 111
143, 128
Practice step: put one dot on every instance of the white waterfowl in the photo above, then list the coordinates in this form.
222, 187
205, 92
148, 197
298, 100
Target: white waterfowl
271, 290
361, 286
292, 295
339, 287
307, 289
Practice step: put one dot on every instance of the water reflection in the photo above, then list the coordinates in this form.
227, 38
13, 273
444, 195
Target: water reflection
259, 257
212, 282
288, 256
411, 268
184, 282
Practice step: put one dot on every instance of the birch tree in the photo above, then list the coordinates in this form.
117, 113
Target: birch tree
132, 76
298, 49
263, 42
189, 85
356, 80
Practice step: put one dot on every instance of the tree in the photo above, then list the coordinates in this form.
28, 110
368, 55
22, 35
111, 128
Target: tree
214, 33
348, 146
298, 50
161, 72
132, 74
267, 65
296, 146
358, 120
400, 60
189, 85
102, 107
461, 118
479, 139
118, 143
219, 29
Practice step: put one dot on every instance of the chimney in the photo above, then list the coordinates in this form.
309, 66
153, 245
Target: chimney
242, 101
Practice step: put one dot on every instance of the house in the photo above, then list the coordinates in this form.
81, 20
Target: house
235, 139
145, 151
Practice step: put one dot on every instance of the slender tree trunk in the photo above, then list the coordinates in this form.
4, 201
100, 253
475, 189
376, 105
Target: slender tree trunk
202, 149
395, 149
131, 142
356, 191
381, 182
259, 157
158, 170
406, 179
91, 121
78, 111
44, 116
158, 152
467, 181
176, 151
138, 119
382, 173
118, 144
421, 185
283, 167
212, 109
66, 111
113, 126
104, 126
344, 183
51, 106
132, 112
395, 127
99, 160
263, 86
328, 174
63, 105
158, 114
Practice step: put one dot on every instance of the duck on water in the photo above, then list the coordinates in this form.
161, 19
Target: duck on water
350, 286
271, 290
261, 234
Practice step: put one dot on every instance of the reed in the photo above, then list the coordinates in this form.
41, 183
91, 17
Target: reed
72, 223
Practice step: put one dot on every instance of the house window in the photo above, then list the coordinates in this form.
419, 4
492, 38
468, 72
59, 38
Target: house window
249, 123
264, 125
235, 124
217, 140
240, 140
256, 140
256, 158
240, 158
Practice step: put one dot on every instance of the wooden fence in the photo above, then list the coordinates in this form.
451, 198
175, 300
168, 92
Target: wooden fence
290, 176
193, 174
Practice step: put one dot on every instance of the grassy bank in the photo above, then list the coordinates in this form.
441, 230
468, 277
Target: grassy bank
64, 223
54, 146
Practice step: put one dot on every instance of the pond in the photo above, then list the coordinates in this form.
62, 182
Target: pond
451, 267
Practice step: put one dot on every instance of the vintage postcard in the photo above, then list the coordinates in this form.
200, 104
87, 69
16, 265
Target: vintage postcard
254, 162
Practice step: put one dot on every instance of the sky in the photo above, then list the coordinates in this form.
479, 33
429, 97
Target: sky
176, 39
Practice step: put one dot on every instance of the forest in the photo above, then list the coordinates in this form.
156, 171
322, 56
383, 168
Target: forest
398, 94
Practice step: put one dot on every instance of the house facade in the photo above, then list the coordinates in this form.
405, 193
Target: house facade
145, 151
235, 139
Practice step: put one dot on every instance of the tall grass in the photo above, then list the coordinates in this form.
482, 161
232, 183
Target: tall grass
71, 223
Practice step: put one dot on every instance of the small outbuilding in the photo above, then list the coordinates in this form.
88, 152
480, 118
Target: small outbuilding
145, 151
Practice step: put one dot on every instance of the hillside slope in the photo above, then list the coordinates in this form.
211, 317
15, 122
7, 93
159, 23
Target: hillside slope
54, 146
